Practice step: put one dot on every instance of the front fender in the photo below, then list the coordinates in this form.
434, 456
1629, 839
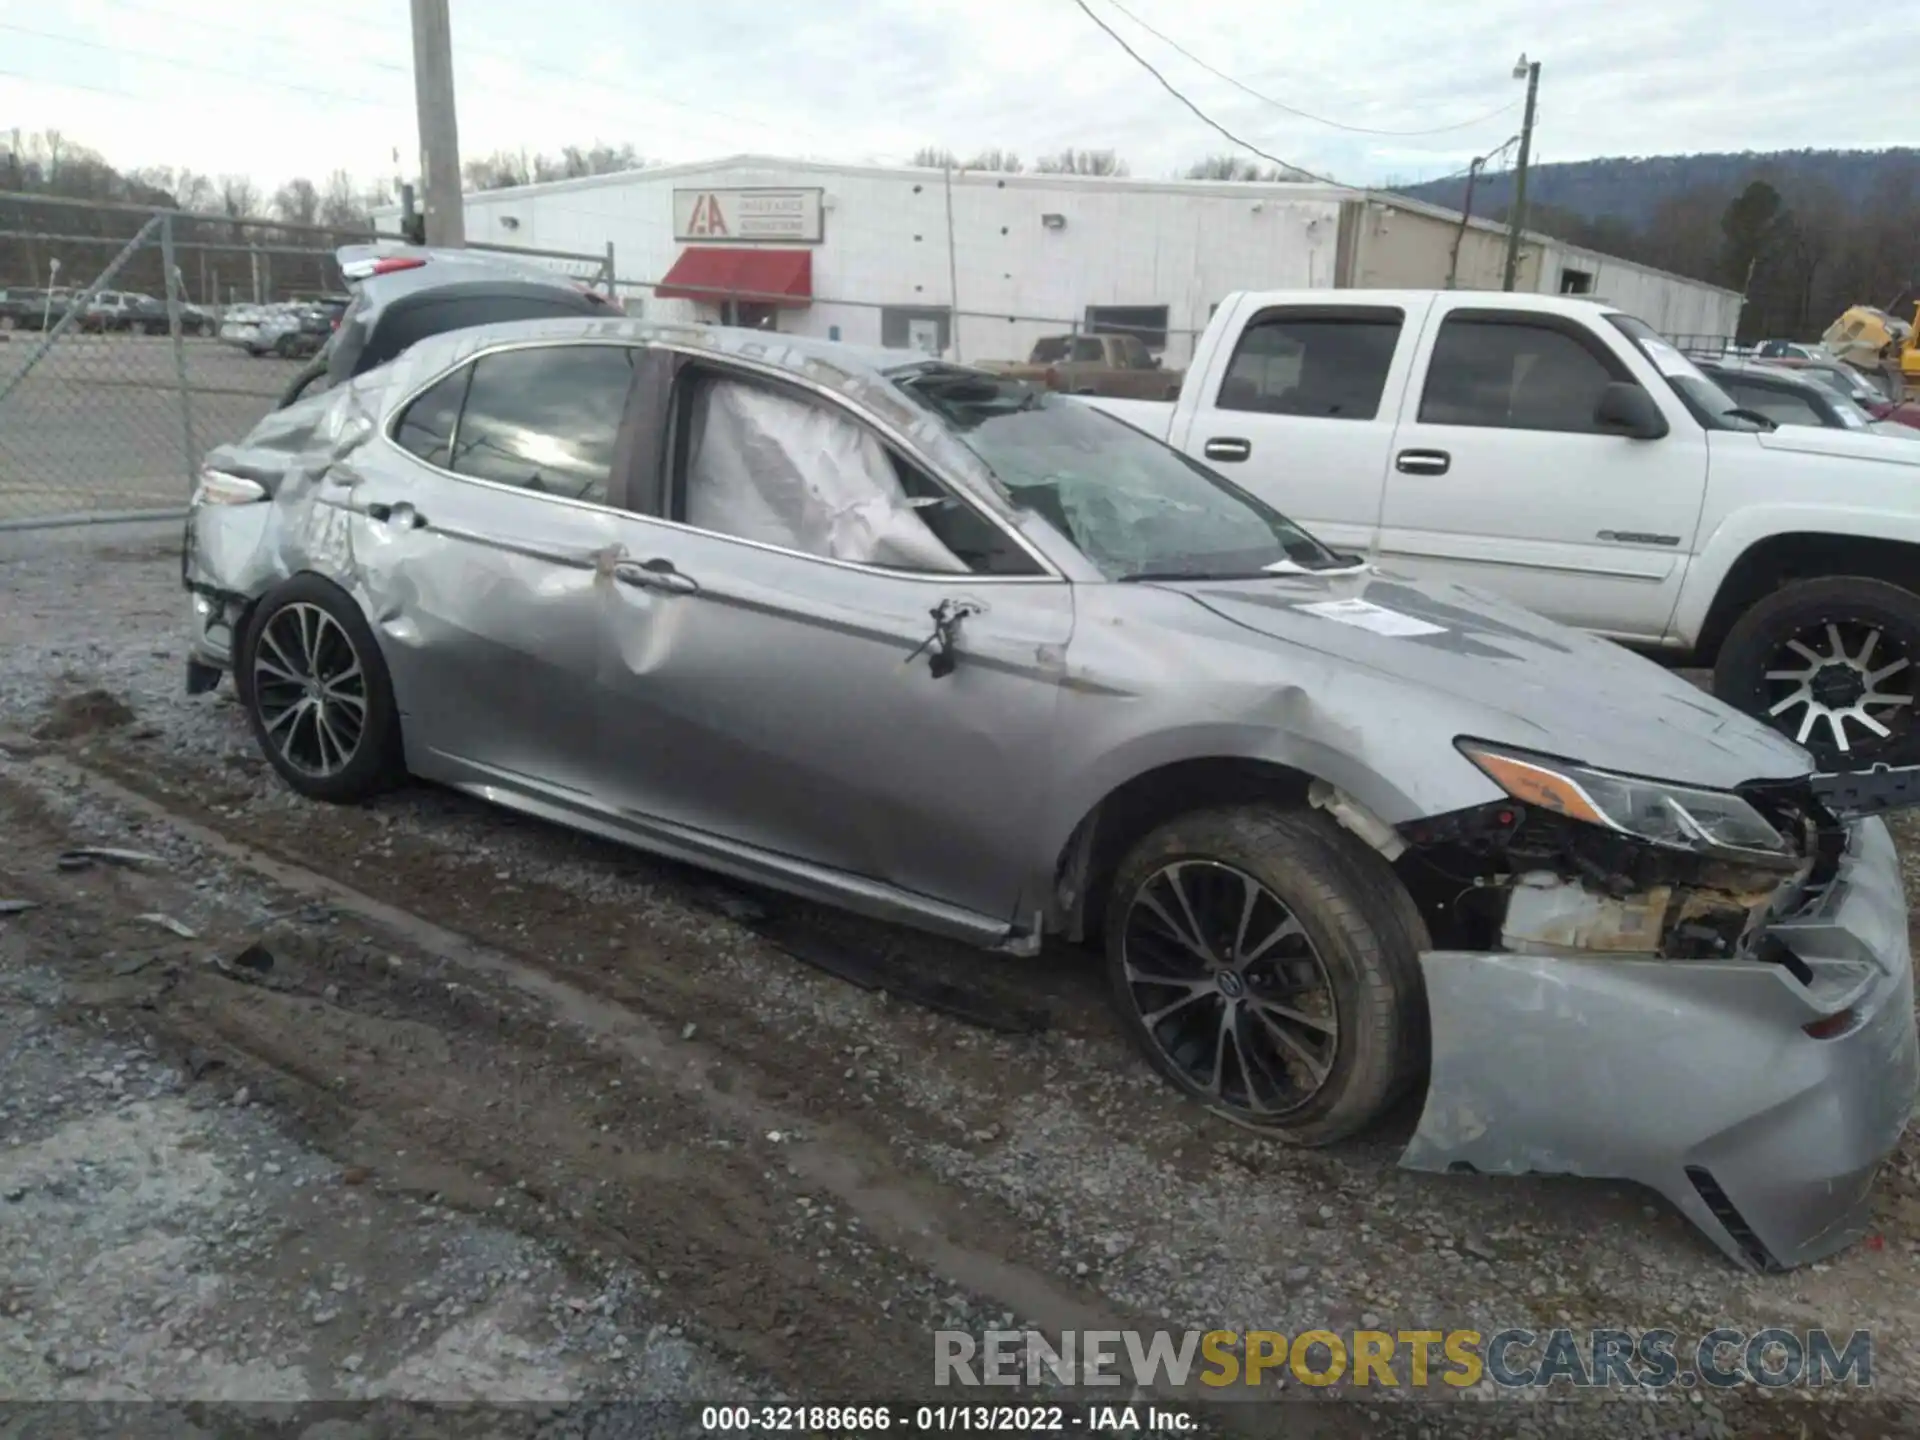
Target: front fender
1892, 517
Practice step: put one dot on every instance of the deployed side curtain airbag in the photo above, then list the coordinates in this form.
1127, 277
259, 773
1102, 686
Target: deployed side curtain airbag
768, 467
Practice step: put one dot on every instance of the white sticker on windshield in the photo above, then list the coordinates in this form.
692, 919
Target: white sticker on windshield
1365, 615
1667, 360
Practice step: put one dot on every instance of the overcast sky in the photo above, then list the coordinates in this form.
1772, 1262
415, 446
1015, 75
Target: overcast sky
282, 89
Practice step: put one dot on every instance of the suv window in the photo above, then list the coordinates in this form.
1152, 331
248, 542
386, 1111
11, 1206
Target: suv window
1134, 354
1046, 352
761, 464
1089, 348
544, 419
1512, 375
1327, 366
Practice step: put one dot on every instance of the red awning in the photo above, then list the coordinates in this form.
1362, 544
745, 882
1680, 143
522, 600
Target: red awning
715, 273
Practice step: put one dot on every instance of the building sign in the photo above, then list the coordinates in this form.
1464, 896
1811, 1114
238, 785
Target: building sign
787, 216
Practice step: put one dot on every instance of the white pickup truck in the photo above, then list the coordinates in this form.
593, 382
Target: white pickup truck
1560, 453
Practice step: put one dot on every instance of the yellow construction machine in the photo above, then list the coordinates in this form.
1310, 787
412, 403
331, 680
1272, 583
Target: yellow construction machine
1868, 338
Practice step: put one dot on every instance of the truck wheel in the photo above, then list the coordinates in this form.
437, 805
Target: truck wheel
1266, 963
318, 696
286, 347
1831, 664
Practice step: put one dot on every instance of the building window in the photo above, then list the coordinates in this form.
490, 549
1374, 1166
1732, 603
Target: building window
1576, 282
926, 328
1148, 322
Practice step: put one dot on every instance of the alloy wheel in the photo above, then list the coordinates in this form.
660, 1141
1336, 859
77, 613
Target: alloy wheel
1846, 684
1230, 989
310, 689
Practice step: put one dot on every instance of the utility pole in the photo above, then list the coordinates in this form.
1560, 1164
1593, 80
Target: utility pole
446, 222
1466, 215
1517, 220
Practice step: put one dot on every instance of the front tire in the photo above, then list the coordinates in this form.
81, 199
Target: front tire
1833, 664
317, 692
1267, 964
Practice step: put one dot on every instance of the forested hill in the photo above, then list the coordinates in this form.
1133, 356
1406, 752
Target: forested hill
1632, 190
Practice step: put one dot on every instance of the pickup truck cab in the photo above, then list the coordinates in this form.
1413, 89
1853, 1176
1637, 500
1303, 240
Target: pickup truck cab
1560, 453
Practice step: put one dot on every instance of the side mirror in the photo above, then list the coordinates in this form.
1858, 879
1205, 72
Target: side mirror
1153, 362
1626, 409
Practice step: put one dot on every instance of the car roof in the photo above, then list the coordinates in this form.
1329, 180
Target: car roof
1772, 375
803, 355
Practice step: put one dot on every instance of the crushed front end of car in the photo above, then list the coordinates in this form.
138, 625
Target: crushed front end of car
1706, 991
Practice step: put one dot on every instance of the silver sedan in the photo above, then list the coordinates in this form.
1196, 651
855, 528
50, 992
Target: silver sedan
943, 648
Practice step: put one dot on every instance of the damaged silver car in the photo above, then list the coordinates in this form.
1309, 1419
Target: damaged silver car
948, 650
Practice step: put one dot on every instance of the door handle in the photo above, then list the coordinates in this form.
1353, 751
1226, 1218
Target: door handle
403, 515
1227, 447
655, 574
1423, 462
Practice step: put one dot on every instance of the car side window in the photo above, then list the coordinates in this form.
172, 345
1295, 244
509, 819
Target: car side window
1089, 350
545, 419
1512, 376
764, 464
1780, 406
1329, 367
426, 426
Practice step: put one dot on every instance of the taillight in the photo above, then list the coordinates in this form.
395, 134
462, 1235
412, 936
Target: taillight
383, 265
1052, 378
220, 487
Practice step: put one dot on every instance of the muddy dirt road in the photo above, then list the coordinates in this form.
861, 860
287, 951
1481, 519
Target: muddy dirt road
424, 1100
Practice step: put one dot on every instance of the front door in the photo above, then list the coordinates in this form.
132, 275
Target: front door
773, 689
1304, 412
482, 550
1501, 478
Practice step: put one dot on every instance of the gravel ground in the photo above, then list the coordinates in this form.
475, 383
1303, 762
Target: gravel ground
546, 1093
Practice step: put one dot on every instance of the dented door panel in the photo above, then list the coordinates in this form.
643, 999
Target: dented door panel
777, 701
487, 603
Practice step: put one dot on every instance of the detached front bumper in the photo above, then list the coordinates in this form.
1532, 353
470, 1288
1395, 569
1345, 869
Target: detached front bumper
1696, 1077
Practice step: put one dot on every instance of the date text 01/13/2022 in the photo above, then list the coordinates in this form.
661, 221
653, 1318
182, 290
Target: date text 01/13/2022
945, 1419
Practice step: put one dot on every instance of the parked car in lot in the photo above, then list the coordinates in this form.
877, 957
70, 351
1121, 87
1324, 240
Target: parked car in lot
1787, 398
945, 648
1785, 350
1119, 365
33, 309
1878, 394
402, 294
130, 312
1560, 453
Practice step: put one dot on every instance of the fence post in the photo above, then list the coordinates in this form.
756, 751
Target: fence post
610, 272
174, 285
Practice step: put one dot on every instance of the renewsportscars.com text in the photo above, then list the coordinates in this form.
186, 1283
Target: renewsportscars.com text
1221, 1360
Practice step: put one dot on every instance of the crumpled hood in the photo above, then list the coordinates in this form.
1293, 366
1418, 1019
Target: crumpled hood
1542, 686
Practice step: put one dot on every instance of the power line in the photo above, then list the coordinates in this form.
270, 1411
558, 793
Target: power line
1205, 118
1293, 109
192, 65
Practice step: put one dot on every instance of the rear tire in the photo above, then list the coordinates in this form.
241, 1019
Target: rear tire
1844, 654
1309, 1020
317, 692
286, 347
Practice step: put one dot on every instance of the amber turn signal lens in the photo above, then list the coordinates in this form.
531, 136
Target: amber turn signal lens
1538, 786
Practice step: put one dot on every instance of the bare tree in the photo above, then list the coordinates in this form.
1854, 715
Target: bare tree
1081, 162
933, 157
1238, 167
341, 204
1004, 161
297, 202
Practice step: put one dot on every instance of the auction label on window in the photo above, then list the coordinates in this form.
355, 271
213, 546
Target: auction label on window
1365, 615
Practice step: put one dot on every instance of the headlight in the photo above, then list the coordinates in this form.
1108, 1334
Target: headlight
1654, 810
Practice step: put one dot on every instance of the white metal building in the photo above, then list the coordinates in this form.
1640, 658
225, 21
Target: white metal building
893, 256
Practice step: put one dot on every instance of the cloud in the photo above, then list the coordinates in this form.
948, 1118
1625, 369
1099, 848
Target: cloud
232, 86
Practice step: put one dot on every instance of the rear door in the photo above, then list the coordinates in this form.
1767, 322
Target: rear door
1303, 412
1501, 478
481, 534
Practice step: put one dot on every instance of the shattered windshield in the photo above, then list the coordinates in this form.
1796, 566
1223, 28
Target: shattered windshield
1134, 507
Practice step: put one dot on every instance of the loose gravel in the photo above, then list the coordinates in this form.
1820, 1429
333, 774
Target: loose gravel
925, 1172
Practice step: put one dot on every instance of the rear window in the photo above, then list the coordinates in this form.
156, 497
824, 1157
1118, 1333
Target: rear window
1047, 352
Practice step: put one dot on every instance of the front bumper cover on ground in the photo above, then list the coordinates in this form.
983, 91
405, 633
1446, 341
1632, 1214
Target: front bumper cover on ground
1693, 1077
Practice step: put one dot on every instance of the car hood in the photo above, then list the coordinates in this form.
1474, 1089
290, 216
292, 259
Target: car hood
1542, 686
1851, 444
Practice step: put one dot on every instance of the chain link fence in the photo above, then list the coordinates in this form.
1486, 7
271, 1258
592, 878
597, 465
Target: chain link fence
133, 340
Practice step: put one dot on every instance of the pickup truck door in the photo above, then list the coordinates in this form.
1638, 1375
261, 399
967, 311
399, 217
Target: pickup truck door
1501, 479
1302, 412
